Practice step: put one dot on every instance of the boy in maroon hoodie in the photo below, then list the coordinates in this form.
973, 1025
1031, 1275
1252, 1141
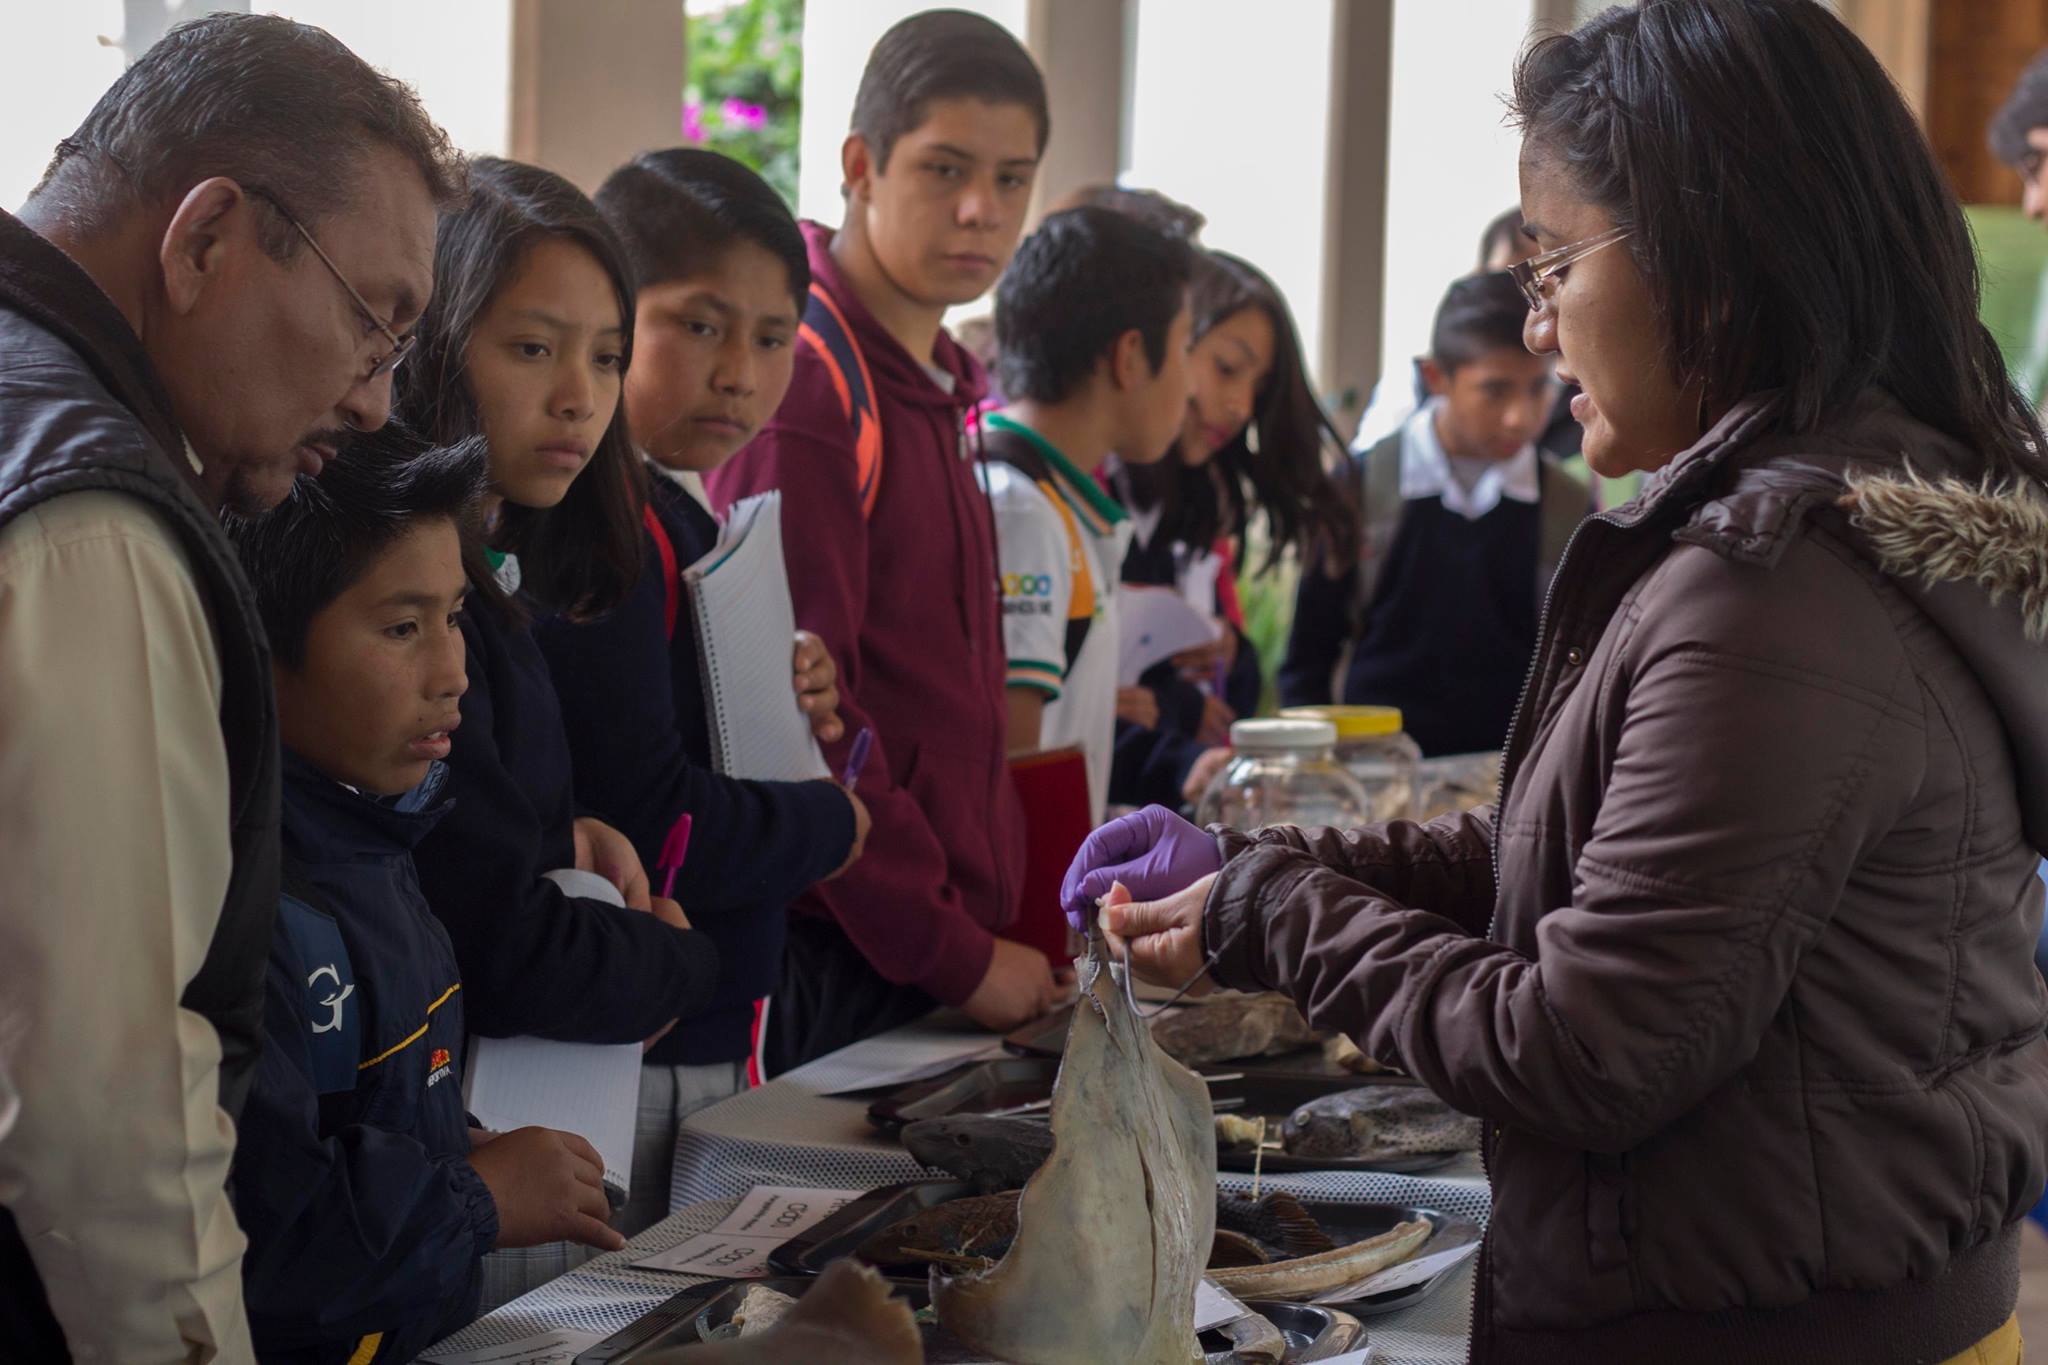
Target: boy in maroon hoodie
891, 549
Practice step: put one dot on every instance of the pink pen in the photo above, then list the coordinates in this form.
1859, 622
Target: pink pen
857, 757
673, 850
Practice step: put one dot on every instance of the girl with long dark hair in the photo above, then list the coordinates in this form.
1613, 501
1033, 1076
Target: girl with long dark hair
1738, 973
526, 343
1256, 445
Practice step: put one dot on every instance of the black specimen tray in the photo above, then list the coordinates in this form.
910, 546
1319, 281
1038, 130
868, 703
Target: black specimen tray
983, 1087
1047, 1037
1312, 1333
809, 1252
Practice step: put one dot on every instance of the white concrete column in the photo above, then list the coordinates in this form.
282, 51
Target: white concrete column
1451, 154
1230, 110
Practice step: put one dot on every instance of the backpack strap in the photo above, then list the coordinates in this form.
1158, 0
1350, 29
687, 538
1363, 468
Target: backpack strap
1563, 501
1003, 448
671, 581
824, 327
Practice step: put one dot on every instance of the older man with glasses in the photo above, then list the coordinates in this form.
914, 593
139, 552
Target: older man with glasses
174, 341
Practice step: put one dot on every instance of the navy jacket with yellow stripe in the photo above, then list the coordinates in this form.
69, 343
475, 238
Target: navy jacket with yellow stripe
366, 1223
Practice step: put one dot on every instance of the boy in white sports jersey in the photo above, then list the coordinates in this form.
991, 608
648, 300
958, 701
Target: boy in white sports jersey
1092, 325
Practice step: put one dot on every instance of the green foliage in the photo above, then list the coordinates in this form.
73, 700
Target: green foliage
2013, 254
745, 79
1268, 602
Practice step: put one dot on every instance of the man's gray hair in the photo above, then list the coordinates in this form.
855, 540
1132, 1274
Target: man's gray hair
270, 103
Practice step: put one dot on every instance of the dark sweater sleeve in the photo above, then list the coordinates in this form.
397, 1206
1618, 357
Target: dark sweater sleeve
360, 1232
1148, 767
751, 843
1322, 624
1246, 679
533, 960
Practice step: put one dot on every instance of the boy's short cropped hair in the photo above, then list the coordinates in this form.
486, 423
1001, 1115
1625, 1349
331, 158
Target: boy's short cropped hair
322, 538
2024, 110
676, 209
937, 55
1479, 314
1083, 279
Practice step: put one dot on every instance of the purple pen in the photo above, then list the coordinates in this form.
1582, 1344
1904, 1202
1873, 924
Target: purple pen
857, 757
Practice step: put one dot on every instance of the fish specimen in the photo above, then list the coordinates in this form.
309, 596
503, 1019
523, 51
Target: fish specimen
848, 1317
990, 1154
1113, 1230
961, 1233
1231, 1027
1376, 1122
958, 1232
1312, 1275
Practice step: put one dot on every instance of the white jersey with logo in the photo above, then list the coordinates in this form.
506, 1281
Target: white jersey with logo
1061, 541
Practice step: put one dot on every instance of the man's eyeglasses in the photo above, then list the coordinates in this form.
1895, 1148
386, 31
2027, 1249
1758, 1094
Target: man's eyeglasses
401, 346
1535, 275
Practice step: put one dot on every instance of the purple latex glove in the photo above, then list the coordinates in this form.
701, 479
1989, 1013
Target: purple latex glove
1152, 851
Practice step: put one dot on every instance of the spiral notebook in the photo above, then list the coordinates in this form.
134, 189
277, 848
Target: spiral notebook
746, 634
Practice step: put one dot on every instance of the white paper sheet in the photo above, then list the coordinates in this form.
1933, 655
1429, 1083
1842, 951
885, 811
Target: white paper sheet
589, 1089
1154, 624
924, 1071
764, 1219
1364, 1355
1215, 1306
544, 1348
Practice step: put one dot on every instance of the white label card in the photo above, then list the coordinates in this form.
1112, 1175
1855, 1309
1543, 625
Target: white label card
1215, 1306
763, 1220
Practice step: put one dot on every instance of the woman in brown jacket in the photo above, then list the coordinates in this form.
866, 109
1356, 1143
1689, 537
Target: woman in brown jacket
1738, 973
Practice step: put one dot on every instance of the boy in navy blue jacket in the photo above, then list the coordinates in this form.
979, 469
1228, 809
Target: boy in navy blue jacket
367, 1198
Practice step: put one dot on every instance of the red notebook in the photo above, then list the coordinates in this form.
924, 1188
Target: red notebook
1053, 787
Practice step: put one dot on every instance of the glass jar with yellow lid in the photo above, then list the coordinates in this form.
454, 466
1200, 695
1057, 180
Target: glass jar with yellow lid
1374, 749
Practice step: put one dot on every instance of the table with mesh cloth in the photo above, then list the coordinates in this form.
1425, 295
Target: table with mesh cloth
792, 1132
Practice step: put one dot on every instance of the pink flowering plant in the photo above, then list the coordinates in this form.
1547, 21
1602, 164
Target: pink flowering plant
740, 95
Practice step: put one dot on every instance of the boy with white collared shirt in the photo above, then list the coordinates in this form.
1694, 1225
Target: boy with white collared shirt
1463, 521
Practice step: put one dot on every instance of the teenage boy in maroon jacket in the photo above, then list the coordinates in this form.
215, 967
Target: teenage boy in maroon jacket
899, 578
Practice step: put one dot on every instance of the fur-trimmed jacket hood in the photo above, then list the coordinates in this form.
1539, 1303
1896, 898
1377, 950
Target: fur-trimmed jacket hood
1970, 550
1739, 974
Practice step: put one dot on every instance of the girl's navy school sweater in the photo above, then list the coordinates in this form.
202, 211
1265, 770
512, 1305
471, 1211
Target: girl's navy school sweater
633, 709
535, 961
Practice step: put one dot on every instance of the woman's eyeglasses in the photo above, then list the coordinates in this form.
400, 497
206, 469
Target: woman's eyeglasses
1536, 274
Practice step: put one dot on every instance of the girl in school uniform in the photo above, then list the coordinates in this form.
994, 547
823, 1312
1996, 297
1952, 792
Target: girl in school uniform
1256, 443
526, 343
721, 275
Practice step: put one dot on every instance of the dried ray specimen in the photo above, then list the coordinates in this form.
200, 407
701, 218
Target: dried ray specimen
1114, 1228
